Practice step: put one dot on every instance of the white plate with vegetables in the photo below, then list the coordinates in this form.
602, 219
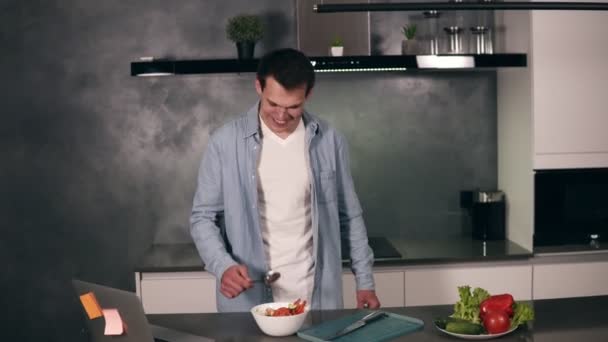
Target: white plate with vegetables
480, 336
481, 316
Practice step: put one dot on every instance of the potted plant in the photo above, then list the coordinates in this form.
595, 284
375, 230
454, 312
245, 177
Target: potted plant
245, 30
409, 45
337, 47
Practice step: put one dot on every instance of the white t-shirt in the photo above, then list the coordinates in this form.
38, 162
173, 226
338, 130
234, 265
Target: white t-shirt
284, 201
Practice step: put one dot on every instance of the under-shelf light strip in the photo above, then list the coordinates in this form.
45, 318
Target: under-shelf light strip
361, 69
154, 74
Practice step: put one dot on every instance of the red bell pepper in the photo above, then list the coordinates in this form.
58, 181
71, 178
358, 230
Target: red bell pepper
501, 302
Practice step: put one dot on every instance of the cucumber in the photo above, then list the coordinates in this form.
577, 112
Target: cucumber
441, 322
456, 320
466, 328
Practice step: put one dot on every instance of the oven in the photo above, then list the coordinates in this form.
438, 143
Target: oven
571, 207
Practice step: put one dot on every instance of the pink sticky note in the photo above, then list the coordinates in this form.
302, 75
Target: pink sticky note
114, 323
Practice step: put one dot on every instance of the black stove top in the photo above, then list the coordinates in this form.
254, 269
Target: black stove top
383, 249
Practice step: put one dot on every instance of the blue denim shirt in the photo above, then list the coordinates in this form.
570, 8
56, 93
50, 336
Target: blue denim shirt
225, 223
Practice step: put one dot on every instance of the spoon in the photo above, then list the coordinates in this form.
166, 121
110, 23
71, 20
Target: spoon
271, 276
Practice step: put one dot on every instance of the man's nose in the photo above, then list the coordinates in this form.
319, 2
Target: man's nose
282, 111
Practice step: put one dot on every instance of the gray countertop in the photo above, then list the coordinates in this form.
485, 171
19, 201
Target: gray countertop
185, 257
557, 320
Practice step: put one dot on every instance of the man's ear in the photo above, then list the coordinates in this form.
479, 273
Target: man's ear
258, 87
309, 93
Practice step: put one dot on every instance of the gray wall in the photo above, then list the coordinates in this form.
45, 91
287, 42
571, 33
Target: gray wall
416, 141
98, 165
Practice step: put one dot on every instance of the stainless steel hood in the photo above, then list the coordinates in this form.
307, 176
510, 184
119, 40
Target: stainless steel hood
335, 64
483, 5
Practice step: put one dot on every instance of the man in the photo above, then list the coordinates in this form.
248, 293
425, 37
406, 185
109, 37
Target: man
275, 193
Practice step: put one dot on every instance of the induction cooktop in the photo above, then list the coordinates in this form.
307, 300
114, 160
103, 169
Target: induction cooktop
383, 249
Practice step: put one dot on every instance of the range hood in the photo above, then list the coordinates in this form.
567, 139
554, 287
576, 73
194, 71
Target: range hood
334, 64
480, 5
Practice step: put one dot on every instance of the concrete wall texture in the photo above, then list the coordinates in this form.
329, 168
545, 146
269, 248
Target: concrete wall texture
98, 165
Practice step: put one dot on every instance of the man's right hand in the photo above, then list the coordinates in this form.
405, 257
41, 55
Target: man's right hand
235, 280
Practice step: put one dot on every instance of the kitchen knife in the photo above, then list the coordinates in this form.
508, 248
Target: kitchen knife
358, 324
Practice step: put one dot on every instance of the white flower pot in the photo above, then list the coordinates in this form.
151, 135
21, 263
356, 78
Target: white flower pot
336, 51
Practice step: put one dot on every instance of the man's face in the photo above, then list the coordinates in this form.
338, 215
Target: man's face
281, 109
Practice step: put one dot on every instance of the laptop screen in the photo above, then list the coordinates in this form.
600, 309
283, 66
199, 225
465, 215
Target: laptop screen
131, 312
128, 306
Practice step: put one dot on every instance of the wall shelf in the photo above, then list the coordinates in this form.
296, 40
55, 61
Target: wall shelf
460, 6
334, 64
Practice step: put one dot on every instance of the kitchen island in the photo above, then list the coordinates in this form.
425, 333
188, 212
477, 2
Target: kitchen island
495, 265
583, 319
425, 273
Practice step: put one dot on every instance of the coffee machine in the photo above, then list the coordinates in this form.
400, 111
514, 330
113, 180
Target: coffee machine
485, 211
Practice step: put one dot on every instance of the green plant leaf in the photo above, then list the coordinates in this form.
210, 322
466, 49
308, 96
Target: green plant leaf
409, 31
245, 28
337, 41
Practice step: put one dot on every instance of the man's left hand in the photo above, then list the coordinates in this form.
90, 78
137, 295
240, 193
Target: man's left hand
366, 299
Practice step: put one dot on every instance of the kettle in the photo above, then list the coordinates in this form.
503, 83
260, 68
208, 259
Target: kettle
486, 213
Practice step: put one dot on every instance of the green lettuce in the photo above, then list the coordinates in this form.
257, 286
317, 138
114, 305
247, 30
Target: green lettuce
468, 305
522, 313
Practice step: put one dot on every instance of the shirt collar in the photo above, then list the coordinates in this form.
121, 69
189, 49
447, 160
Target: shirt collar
253, 122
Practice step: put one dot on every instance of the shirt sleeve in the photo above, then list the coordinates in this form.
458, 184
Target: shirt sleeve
352, 225
207, 209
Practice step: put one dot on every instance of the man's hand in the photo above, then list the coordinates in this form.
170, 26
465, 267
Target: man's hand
235, 280
366, 299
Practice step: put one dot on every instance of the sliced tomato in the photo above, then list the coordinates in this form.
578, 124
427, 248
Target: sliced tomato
294, 308
282, 312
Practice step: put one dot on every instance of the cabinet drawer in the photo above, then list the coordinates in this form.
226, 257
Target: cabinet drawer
349, 289
389, 289
570, 280
440, 286
189, 292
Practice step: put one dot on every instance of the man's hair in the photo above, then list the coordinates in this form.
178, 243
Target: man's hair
290, 67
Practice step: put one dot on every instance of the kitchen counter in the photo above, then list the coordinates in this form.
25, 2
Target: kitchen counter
557, 320
185, 258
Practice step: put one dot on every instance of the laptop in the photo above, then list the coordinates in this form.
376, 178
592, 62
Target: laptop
132, 313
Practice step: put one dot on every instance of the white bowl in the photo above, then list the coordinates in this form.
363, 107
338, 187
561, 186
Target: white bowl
278, 325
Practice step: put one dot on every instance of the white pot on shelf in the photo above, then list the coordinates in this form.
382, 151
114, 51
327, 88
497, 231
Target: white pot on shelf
336, 51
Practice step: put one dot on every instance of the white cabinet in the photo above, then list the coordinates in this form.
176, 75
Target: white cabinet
438, 285
570, 106
576, 279
389, 288
194, 292
538, 278
177, 292
349, 291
